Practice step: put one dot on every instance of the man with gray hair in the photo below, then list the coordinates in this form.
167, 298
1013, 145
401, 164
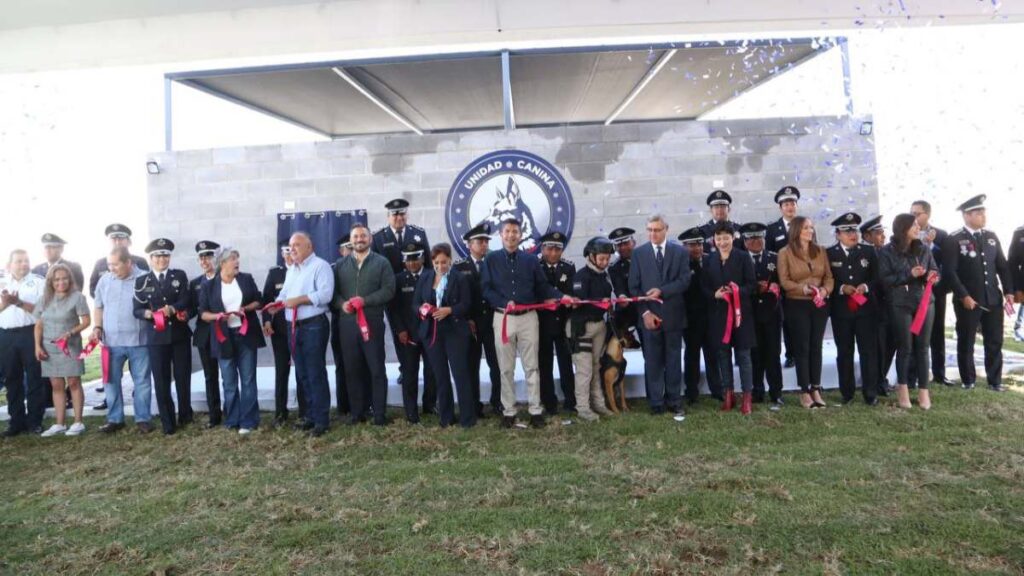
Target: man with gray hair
306, 295
661, 269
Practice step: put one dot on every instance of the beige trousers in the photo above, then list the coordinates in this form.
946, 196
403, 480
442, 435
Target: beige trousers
523, 334
589, 386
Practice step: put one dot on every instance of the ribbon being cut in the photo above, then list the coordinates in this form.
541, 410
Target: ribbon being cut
567, 301
855, 301
819, 298
426, 312
219, 332
922, 307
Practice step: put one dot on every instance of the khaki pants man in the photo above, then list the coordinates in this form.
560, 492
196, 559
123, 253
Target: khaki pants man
523, 335
589, 391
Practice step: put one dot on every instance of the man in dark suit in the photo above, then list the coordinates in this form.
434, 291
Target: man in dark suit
162, 302
206, 251
854, 324
974, 269
695, 335
935, 239
767, 316
777, 237
553, 340
53, 246
872, 234
481, 315
660, 270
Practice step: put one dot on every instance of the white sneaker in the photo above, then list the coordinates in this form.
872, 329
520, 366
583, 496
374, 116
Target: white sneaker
244, 431
76, 429
54, 430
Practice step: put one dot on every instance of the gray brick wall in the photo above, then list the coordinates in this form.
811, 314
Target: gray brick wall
618, 174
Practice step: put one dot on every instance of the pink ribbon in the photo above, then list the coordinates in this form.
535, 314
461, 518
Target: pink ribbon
426, 313
567, 301
819, 298
733, 313
364, 327
62, 345
855, 301
159, 321
1008, 306
922, 306
219, 332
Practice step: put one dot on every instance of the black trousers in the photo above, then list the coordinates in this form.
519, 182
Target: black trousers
695, 336
886, 354
480, 347
282, 371
167, 360
552, 342
364, 364
860, 332
211, 374
967, 323
25, 393
767, 365
410, 358
786, 336
806, 328
449, 361
911, 351
340, 389
938, 337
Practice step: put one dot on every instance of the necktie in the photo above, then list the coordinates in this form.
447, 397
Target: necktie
478, 263
757, 260
401, 234
977, 238
659, 258
160, 278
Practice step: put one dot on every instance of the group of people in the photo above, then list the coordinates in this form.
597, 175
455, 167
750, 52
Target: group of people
732, 293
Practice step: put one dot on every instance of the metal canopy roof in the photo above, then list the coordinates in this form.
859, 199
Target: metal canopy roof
507, 89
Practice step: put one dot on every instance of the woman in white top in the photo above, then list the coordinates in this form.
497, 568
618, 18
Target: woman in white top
229, 301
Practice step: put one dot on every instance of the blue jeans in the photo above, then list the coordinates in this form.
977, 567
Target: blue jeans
138, 365
238, 375
311, 338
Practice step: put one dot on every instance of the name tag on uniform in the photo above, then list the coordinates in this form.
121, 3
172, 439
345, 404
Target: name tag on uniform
386, 244
278, 286
837, 264
149, 289
783, 237
408, 288
577, 286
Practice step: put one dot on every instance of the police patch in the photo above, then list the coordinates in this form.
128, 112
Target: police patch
509, 184
863, 262
991, 241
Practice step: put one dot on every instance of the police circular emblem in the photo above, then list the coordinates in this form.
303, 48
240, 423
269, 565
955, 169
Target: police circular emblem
509, 184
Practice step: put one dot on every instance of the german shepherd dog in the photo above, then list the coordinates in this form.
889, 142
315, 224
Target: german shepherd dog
613, 364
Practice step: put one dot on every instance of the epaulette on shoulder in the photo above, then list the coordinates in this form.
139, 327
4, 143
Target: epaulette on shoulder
379, 230
414, 227
458, 261
569, 262
961, 230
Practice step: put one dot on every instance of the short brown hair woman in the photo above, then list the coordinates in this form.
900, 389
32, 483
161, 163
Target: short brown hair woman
803, 271
61, 316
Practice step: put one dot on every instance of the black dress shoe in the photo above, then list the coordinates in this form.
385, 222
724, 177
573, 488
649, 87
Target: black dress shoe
871, 401
657, 410
12, 432
789, 363
111, 427
997, 387
758, 398
846, 401
508, 421
37, 430
303, 425
317, 431
537, 421
212, 424
100, 406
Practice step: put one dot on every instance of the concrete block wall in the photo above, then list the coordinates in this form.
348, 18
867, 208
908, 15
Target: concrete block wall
618, 174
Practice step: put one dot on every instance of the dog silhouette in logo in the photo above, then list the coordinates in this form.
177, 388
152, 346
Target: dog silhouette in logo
509, 204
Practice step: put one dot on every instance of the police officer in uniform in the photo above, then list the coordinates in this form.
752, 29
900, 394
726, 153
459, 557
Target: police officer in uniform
553, 341
276, 326
587, 328
622, 239
855, 270
767, 316
389, 240
165, 292
405, 321
481, 317
788, 197
720, 203
206, 251
340, 387
695, 335
872, 234
53, 246
119, 235
975, 267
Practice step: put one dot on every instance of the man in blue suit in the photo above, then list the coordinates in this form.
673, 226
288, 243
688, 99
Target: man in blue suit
661, 269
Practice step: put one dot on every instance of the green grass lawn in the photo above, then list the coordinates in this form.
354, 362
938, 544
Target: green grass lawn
849, 490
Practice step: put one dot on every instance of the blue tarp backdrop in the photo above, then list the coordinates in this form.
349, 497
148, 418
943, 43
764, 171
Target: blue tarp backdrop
325, 228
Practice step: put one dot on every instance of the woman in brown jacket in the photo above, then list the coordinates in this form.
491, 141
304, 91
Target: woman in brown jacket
805, 276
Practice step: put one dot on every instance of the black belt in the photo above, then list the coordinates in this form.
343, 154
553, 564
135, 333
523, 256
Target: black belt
519, 313
28, 327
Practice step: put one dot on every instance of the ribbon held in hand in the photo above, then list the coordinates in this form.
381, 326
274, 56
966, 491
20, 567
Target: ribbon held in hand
219, 332
88, 349
356, 302
819, 298
159, 321
733, 313
62, 345
427, 313
855, 301
922, 307
522, 308
1008, 306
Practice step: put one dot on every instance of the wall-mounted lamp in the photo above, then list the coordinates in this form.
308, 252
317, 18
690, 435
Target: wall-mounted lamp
866, 128
152, 167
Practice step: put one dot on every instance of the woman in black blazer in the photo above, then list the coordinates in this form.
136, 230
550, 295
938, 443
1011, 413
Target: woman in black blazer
231, 291
444, 334
905, 264
728, 266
